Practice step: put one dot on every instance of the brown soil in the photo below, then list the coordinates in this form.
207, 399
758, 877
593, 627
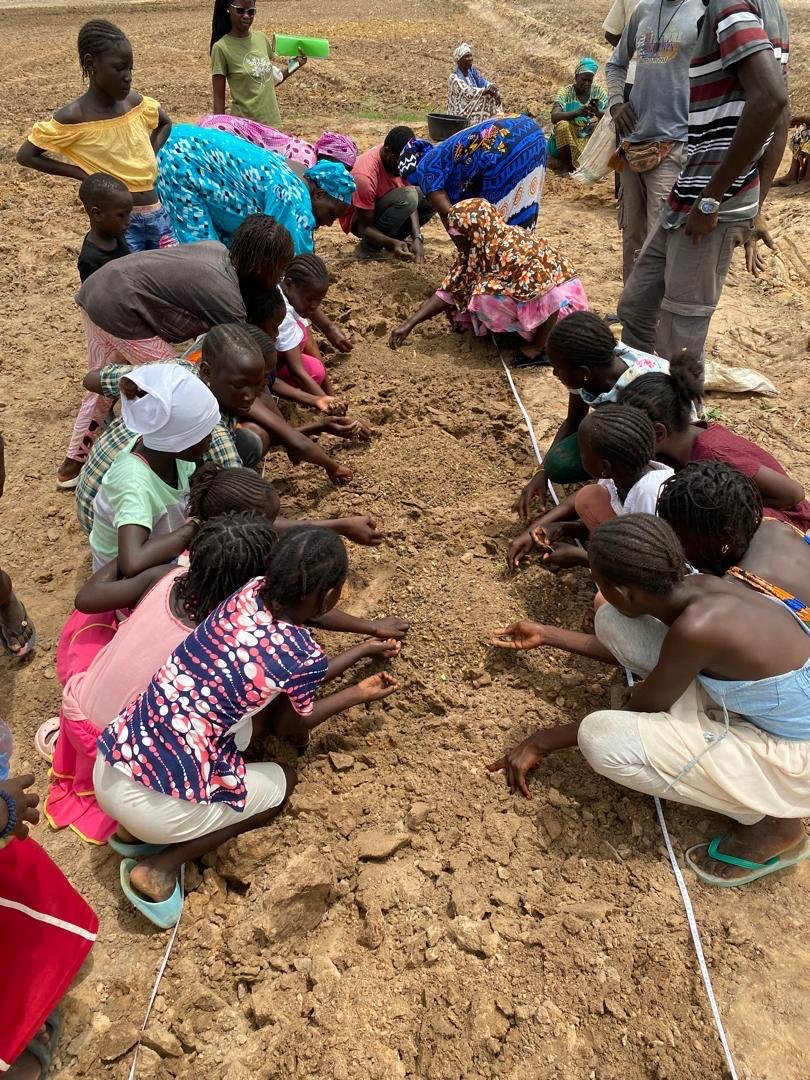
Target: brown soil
501, 938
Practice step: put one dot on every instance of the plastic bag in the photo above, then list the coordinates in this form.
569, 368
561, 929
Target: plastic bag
723, 379
594, 165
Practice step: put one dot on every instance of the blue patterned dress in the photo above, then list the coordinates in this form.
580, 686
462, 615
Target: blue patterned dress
502, 160
209, 181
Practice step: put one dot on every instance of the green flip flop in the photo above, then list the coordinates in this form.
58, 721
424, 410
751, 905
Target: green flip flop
163, 913
757, 870
133, 851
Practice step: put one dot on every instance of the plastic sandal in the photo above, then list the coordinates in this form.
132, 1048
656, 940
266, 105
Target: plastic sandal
520, 360
30, 645
67, 485
133, 851
758, 870
44, 1052
163, 913
45, 738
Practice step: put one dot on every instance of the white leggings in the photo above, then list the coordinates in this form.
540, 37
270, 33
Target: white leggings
161, 819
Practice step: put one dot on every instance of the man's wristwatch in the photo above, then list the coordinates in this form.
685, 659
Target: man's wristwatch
419, 237
11, 824
708, 206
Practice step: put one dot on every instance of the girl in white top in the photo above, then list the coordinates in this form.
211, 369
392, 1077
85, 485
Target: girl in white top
616, 444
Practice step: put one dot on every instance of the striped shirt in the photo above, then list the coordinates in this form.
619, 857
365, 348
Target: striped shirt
731, 31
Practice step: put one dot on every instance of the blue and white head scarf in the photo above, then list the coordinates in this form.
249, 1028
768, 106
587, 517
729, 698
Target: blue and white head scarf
333, 178
412, 154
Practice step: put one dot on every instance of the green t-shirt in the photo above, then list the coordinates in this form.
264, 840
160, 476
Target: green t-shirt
247, 64
132, 494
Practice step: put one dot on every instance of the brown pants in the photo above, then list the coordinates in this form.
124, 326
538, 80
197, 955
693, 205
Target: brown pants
669, 299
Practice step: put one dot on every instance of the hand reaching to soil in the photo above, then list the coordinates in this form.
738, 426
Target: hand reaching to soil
376, 687
387, 648
24, 803
536, 489
391, 627
517, 763
331, 406
519, 635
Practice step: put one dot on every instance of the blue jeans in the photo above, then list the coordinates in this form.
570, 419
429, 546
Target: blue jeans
150, 230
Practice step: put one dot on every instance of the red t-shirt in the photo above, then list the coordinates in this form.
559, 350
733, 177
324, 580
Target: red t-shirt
373, 181
717, 443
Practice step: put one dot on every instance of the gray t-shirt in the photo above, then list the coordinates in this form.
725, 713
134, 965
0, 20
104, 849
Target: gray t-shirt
661, 36
174, 293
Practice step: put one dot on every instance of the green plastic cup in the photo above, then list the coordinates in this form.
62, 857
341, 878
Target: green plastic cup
287, 45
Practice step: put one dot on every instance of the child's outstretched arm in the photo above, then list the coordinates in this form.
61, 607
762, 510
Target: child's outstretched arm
373, 647
298, 446
107, 591
324, 403
360, 529
138, 550
432, 307
340, 622
334, 334
537, 487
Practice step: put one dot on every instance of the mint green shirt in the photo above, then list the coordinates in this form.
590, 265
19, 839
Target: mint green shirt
132, 494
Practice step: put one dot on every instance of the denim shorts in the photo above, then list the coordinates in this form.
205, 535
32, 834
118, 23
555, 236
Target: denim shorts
150, 230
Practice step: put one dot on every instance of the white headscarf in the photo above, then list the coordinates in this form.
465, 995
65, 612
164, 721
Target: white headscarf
462, 51
176, 411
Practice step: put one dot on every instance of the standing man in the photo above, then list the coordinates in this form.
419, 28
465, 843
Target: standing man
659, 38
738, 119
386, 214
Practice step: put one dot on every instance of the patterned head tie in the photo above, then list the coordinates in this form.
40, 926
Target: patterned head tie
412, 154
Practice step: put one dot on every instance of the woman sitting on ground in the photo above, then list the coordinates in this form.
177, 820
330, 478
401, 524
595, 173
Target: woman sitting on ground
210, 181
669, 401
575, 113
469, 94
504, 280
329, 147
257, 666
721, 723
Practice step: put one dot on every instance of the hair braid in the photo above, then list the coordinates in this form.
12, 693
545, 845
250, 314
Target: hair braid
262, 304
229, 341
309, 270
715, 509
95, 38
581, 340
307, 559
215, 490
621, 435
225, 554
637, 549
261, 248
668, 399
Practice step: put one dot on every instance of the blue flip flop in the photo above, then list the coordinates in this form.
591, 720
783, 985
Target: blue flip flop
134, 851
757, 870
163, 913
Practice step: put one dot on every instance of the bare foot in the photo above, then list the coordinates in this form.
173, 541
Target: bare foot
125, 836
154, 884
757, 843
790, 178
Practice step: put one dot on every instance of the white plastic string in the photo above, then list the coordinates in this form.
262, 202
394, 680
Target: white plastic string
134, 1067
676, 870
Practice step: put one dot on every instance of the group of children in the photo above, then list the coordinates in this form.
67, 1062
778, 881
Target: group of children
192, 641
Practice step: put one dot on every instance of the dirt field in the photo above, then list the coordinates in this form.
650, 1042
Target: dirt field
499, 938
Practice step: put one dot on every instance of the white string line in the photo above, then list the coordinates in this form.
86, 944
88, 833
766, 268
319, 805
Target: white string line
134, 1069
676, 870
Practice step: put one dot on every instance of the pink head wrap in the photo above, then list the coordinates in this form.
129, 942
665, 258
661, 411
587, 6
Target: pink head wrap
337, 147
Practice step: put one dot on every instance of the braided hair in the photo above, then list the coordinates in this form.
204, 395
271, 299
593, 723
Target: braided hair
229, 342
264, 341
621, 435
261, 248
307, 559
581, 340
95, 38
637, 549
215, 490
262, 304
668, 399
308, 270
225, 554
220, 22
715, 510
397, 138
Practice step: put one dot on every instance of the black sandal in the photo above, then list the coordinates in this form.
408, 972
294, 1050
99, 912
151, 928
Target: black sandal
521, 360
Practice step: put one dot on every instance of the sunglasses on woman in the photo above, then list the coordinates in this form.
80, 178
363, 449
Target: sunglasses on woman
244, 10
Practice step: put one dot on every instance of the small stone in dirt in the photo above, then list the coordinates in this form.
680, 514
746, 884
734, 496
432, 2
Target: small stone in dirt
298, 896
322, 970
480, 679
163, 1042
376, 844
417, 815
373, 933
340, 762
552, 823
117, 1041
615, 1008
474, 936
